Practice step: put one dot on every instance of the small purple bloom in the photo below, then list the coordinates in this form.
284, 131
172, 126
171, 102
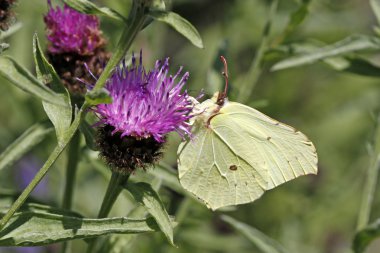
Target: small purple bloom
146, 104
72, 32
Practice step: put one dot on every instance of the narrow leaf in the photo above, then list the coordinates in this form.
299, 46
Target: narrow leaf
180, 24
59, 115
365, 236
345, 46
23, 79
45, 71
88, 7
262, 241
121, 243
146, 195
359, 66
27, 141
36, 228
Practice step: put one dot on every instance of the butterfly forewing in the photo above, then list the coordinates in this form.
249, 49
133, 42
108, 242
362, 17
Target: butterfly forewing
287, 152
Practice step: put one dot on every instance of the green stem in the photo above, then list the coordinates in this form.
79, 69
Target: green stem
370, 182
124, 44
113, 191
72, 164
41, 173
255, 70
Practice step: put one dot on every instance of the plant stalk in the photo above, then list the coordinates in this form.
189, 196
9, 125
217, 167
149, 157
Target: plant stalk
255, 69
72, 164
115, 186
123, 45
371, 180
113, 190
71, 169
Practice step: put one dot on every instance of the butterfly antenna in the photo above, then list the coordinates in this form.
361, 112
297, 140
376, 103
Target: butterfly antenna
223, 95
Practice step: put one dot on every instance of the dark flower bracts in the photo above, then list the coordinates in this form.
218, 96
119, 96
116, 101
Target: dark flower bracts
7, 16
146, 106
75, 39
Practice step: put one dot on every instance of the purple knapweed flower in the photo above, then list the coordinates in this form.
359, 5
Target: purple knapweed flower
70, 31
147, 103
76, 47
146, 106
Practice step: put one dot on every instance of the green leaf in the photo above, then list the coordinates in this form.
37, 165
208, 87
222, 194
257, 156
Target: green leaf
348, 45
365, 236
59, 115
96, 97
88, 7
262, 241
350, 64
146, 195
180, 24
44, 225
27, 141
356, 65
375, 5
121, 243
89, 134
23, 79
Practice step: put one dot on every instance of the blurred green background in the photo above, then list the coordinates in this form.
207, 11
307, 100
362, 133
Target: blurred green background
336, 110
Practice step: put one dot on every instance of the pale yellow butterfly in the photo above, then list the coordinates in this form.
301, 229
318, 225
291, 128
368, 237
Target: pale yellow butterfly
236, 153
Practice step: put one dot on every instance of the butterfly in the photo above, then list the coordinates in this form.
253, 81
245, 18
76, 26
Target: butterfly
236, 153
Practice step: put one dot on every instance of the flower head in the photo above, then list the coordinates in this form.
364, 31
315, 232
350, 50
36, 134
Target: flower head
145, 107
147, 104
70, 31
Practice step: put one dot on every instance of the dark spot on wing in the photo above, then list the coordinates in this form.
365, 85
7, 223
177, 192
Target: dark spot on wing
233, 167
268, 138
